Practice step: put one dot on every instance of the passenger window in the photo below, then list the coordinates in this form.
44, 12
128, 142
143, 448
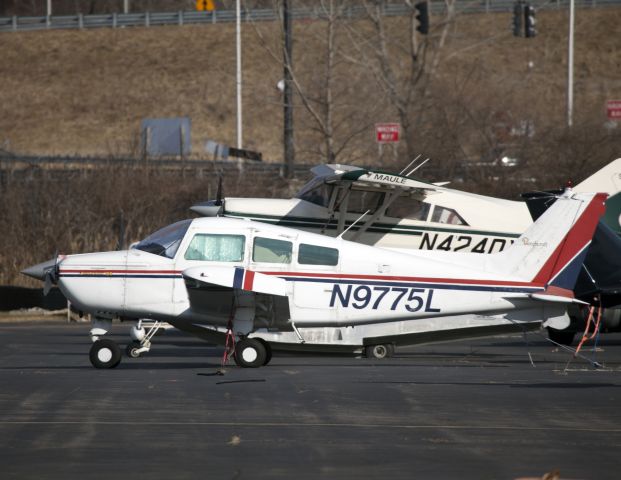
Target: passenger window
216, 248
447, 215
315, 255
270, 250
408, 207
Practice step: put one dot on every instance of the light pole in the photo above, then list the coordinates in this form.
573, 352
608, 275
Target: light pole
239, 77
287, 93
570, 66
49, 8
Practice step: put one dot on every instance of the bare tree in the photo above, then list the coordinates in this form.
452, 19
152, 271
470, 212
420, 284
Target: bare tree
403, 70
321, 79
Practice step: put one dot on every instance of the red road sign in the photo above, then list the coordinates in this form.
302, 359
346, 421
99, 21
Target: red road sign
613, 107
387, 132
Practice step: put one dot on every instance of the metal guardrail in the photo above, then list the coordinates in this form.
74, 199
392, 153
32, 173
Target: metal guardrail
148, 19
10, 163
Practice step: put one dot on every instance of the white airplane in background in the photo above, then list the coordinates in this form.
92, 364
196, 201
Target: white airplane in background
207, 274
402, 212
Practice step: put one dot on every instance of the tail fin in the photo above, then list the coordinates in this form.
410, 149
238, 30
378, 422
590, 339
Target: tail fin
551, 252
607, 180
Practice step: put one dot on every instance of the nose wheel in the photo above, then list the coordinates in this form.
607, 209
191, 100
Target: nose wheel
133, 350
142, 339
105, 354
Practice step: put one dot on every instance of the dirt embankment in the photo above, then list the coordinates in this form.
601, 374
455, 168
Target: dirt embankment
85, 92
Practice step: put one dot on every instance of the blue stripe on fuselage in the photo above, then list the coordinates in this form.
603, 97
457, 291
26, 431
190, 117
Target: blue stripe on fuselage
445, 286
238, 278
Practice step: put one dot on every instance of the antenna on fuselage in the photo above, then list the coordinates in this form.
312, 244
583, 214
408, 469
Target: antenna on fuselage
409, 164
417, 166
357, 220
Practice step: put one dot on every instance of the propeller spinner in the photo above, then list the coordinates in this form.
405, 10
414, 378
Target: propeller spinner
45, 271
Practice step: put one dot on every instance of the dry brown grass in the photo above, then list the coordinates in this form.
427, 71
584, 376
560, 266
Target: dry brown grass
86, 91
85, 211
71, 92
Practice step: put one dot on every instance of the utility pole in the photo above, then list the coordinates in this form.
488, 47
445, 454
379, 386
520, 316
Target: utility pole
287, 94
49, 8
125, 6
570, 66
239, 77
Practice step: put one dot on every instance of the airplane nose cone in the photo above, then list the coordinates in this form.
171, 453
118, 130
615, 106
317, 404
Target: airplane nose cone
39, 270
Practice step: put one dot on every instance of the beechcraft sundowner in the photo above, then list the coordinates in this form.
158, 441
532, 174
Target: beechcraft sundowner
209, 275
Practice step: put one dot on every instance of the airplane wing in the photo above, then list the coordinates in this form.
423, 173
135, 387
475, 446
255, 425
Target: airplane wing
237, 277
336, 174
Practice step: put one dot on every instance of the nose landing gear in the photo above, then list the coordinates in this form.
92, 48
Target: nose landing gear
142, 339
106, 353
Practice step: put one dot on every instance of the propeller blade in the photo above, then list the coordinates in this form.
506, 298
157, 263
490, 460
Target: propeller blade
47, 286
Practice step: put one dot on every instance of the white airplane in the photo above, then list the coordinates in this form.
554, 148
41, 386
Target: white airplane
207, 274
404, 213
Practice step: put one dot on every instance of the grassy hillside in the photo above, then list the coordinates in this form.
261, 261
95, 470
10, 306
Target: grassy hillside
85, 92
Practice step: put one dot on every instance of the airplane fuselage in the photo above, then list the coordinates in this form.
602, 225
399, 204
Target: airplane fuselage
355, 285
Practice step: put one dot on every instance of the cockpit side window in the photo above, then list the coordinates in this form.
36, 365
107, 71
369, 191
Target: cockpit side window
447, 215
271, 250
362, 200
165, 242
216, 248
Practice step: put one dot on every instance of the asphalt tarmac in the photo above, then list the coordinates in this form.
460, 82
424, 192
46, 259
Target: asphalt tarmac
465, 410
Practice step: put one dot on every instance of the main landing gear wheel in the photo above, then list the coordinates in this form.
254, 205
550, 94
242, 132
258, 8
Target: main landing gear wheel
105, 354
380, 351
250, 353
268, 352
132, 350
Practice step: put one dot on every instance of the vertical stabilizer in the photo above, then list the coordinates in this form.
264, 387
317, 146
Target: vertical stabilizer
551, 252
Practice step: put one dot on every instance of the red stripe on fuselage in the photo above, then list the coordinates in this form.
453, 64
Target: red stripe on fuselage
248, 280
576, 239
163, 272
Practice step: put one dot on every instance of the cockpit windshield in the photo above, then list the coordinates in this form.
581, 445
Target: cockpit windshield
316, 192
166, 241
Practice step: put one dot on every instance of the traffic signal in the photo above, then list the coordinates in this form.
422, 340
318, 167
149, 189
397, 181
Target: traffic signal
529, 21
517, 19
423, 17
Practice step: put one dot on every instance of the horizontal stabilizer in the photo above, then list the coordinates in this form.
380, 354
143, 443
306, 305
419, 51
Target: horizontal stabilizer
237, 277
556, 298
